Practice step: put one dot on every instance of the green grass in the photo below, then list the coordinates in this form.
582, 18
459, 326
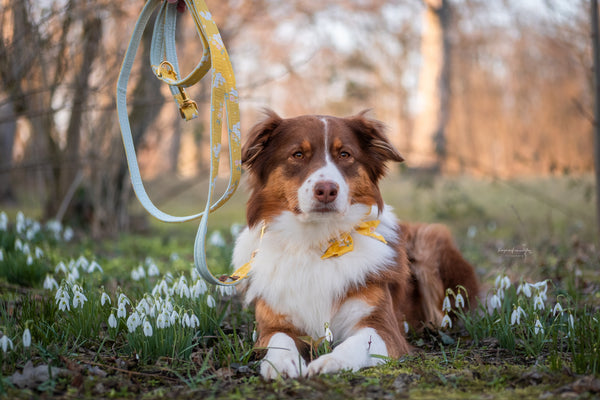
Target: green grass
482, 354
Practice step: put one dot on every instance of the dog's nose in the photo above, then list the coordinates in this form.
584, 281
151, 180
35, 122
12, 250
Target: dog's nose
326, 191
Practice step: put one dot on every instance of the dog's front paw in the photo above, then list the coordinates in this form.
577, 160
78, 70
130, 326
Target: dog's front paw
327, 364
287, 364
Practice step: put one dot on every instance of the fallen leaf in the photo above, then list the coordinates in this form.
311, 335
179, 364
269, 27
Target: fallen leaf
32, 377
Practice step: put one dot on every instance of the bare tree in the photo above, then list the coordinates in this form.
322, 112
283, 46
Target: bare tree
429, 138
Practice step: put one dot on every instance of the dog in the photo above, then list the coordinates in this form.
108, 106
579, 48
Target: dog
327, 256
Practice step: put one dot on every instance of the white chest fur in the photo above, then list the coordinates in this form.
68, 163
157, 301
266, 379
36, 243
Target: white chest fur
289, 274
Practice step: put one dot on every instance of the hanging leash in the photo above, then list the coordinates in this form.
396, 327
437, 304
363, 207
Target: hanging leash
224, 107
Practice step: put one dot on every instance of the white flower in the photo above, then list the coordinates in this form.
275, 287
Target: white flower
446, 321
1, 255
525, 288
60, 267
50, 283
538, 328
39, 253
198, 289
61, 294
216, 239
185, 320
160, 287
25, 249
63, 305
104, 298
18, 245
184, 291
226, 290
515, 317
194, 274
174, 257
446, 305
147, 328
254, 335
328, 333
78, 299
173, 317
571, 321
5, 342
459, 302
29, 260
3, 221
194, 322
73, 275
121, 310
236, 229
538, 303
153, 270
133, 321
82, 262
20, 222
557, 309
94, 266
143, 307
112, 321
68, 234
406, 327
494, 303
26, 338
123, 300
210, 301
162, 321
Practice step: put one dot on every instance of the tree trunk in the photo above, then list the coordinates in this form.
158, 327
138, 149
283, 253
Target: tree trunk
8, 127
429, 141
596, 66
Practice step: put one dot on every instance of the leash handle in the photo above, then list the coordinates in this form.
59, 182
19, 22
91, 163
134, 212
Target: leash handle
224, 107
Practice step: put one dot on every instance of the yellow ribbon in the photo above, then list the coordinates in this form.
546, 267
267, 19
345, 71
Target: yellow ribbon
344, 244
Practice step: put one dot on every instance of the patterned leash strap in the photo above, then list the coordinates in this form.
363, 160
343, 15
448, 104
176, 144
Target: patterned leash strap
224, 107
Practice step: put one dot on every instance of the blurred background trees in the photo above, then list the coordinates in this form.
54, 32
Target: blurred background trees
498, 89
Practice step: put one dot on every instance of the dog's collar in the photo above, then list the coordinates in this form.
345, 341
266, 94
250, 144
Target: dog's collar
344, 243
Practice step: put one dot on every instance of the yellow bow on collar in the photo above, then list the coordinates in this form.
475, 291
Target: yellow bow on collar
344, 244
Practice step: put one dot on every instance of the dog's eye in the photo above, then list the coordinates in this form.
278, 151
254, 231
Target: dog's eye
298, 155
344, 155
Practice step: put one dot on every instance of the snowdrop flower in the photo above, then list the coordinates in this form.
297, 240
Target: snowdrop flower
254, 335
123, 300
50, 283
3, 221
1, 255
236, 229
210, 301
198, 289
194, 274
39, 253
173, 317
29, 260
328, 333
60, 267
64, 305
112, 321
5, 342
406, 327
538, 328
20, 222
18, 245
61, 294
174, 257
538, 303
494, 303
143, 307
133, 321
194, 322
557, 309
147, 328
216, 239
105, 298
162, 321
571, 322
153, 270
26, 338
515, 317
228, 290
459, 302
446, 307
78, 299
82, 262
121, 311
446, 321
73, 275
184, 290
169, 277
68, 234
160, 287
94, 266
524, 288
185, 320
25, 249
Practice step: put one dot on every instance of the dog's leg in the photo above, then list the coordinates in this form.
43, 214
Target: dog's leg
363, 349
282, 359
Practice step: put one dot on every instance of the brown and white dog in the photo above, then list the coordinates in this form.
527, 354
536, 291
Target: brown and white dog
314, 179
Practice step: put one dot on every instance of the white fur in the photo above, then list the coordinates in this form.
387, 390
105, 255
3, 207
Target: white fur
329, 172
282, 359
289, 274
358, 351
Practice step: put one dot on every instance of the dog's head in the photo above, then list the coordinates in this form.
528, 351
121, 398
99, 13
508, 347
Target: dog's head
315, 166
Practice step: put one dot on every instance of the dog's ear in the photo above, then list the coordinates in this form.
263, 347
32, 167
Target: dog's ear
371, 134
259, 137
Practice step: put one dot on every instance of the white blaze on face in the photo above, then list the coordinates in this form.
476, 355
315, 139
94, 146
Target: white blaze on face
328, 173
